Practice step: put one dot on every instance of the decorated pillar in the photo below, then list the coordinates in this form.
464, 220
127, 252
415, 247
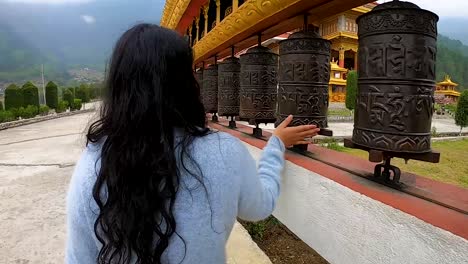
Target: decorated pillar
190, 34
218, 11
341, 57
235, 5
205, 13
355, 61
197, 24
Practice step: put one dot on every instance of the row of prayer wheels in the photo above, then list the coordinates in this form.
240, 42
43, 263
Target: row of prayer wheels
262, 87
394, 106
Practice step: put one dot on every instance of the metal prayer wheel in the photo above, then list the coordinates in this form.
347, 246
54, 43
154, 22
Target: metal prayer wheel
258, 85
228, 88
397, 58
210, 89
304, 73
199, 77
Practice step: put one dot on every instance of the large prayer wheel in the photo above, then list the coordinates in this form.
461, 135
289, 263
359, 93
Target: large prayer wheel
199, 77
304, 73
210, 89
228, 87
397, 58
258, 85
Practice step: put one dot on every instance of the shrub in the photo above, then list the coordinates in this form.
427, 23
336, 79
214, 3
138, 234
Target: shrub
61, 107
1, 105
30, 95
29, 112
434, 131
82, 93
13, 97
351, 90
51, 95
6, 116
461, 116
331, 143
76, 105
68, 97
44, 110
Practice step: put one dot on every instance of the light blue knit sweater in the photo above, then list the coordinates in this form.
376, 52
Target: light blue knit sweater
235, 186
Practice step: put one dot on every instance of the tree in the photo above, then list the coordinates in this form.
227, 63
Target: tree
351, 90
30, 95
68, 97
13, 97
461, 116
51, 95
82, 93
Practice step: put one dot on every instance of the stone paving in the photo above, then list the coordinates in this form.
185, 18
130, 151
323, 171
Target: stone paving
36, 162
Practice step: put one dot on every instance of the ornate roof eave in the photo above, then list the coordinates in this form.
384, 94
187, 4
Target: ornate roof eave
448, 92
173, 12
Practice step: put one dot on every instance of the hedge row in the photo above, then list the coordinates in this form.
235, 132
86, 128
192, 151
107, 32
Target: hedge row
28, 94
24, 112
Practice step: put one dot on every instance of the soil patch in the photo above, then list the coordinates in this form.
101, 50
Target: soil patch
280, 244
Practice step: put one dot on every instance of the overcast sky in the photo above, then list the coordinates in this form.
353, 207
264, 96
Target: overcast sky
443, 8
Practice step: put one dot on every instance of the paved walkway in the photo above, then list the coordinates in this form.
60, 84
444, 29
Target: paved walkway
36, 162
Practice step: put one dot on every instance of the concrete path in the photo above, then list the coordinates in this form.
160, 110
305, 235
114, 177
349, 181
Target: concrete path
36, 162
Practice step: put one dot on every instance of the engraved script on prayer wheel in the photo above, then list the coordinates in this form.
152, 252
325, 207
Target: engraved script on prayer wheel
304, 73
397, 58
228, 87
258, 85
210, 89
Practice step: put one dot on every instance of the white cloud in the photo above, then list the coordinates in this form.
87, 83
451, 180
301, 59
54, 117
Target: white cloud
88, 19
451, 8
48, 1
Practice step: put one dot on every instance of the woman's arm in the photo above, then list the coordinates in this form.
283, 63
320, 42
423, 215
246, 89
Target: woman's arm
260, 187
81, 246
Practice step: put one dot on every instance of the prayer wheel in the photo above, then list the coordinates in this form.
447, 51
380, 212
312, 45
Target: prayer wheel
199, 77
397, 58
228, 87
258, 85
210, 89
304, 73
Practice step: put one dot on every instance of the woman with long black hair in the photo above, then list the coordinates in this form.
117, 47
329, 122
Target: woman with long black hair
155, 185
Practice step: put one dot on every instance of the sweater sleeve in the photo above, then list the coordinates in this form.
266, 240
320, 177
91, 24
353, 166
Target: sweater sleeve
80, 246
260, 187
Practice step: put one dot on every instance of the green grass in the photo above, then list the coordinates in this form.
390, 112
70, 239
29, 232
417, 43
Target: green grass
339, 112
453, 166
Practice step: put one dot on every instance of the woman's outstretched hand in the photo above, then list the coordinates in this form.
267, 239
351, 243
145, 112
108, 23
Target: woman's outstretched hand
297, 135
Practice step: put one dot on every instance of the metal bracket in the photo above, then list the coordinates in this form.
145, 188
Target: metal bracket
385, 170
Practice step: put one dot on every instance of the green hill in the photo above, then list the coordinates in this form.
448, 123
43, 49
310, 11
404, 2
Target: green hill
452, 59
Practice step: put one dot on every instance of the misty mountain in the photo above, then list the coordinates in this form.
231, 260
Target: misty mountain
455, 28
65, 36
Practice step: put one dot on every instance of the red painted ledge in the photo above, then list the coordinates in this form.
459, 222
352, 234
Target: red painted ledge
452, 220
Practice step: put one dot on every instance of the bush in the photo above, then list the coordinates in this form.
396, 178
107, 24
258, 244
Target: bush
82, 93
51, 95
76, 105
61, 107
30, 95
1, 105
351, 90
461, 116
44, 110
6, 116
29, 112
13, 97
68, 97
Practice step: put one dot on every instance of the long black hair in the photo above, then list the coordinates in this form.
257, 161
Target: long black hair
151, 91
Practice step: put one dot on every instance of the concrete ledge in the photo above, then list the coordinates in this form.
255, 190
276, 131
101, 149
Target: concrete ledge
33, 120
